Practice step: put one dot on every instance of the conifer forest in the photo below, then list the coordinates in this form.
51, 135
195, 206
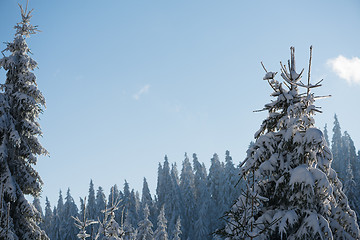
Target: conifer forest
295, 182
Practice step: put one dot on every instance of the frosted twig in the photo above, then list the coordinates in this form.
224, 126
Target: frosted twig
263, 67
308, 90
27, 3
321, 97
283, 70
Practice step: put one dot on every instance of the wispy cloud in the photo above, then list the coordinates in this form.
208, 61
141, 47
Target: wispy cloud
345, 68
142, 91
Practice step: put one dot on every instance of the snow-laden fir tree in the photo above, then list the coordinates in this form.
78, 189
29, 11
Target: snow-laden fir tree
36, 203
146, 199
146, 195
337, 148
231, 178
82, 222
100, 203
21, 104
187, 190
54, 234
174, 203
144, 231
133, 207
161, 233
91, 202
216, 183
129, 231
177, 230
69, 230
48, 218
109, 228
351, 181
292, 191
326, 135
202, 201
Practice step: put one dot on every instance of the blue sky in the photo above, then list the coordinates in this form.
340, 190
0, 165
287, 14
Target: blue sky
127, 82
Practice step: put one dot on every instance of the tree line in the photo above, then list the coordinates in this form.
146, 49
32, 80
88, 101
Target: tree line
197, 198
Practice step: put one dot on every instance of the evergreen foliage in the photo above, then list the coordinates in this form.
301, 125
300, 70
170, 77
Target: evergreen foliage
187, 190
161, 232
144, 231
292, 191
20, 105
177, 230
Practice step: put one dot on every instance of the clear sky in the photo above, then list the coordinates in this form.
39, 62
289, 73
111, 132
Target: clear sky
128, 81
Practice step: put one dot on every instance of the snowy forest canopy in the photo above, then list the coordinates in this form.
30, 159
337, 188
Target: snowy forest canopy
197, 196
291, 184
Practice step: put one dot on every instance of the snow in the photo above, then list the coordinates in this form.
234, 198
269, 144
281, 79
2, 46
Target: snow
269, 75
314, 136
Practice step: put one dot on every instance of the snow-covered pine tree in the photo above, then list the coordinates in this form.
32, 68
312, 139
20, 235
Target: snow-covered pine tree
91, 202
21, 103
100, 203
145, 196
146, 199
326, 135
293, 193
56, 225
109, 228
48, 219
115, 196
133, 208
202, 201
69, 230
350, 189
231, 178
129, 231
164, 189
174, 202
351, 182
82, 222
161, 233
144, 230
187, 191
216, 182
36, 203
126, 197
337, 149
177, 230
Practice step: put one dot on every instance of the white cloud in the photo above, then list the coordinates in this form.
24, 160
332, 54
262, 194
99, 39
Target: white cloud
143, 90
348, 69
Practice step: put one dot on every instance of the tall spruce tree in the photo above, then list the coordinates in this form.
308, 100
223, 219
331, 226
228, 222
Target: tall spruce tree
202, 201
337, 149
36, 203
216, 183
129, 231
231, 178
177, 230
48, 219
292, 191
91, 202
146, 199
326, 135
144, 231
69, 230
21, 104
100, 203
56, 225
161, 233
109, 228
91, 210
175, 204
187, 191
351, 181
